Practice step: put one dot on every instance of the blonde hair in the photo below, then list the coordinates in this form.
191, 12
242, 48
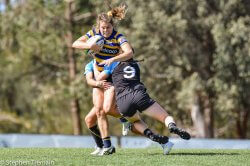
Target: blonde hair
117, 13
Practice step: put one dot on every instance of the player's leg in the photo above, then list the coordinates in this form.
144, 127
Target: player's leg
109, 102
147, 132
110, 108
157, 112
108, 96
90, 121
148, 106
125, 104
98, 98
128, 107
139, 127
90, 118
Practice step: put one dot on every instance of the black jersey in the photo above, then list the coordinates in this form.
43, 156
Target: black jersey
126, 78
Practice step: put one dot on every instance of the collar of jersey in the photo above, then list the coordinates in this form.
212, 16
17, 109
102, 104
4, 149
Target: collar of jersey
108, 38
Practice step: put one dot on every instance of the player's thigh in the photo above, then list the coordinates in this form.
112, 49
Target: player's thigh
98, 97
114, 112
126, 105
109, 98
157, 112
142, 100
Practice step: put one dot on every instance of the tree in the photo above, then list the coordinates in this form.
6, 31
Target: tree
196, 63
74, 103
177, 39
35, 70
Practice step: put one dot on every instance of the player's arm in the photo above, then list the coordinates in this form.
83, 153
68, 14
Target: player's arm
82, 43
127, 53
89, 75
96, 84
90, 80
101, 75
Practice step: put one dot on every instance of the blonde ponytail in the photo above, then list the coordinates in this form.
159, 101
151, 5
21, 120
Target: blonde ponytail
119, 12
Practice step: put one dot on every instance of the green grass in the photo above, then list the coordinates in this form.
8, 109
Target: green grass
134, 157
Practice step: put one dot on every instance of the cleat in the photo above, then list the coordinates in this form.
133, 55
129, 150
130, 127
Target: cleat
126, 127
159, 138
107, 151
167, 147
182, 133
97, 151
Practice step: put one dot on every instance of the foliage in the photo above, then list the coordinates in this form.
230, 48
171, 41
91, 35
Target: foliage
188, 47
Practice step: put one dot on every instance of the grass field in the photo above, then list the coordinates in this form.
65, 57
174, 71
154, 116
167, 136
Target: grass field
134, 157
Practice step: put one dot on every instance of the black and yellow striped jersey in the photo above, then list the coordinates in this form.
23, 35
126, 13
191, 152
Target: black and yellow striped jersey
111, 46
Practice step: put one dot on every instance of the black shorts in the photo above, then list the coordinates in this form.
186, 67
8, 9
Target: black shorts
109, 79
131, 102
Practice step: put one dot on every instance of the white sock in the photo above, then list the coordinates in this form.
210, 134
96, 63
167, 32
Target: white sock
168, 120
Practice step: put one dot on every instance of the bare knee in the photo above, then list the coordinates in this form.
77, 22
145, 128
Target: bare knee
100, 113
90, 121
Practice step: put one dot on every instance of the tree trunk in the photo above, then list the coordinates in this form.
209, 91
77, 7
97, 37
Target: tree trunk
7, 2
209, 114
75, 113
241, 123
197, 116
74, 103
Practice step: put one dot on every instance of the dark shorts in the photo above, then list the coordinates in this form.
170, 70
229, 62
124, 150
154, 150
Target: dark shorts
131, 102
109, 79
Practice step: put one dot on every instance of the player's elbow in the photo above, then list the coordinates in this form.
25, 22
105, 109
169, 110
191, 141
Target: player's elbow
77, 44
130, 54
74, 45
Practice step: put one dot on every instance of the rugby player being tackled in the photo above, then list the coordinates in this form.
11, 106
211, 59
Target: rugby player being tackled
132, 97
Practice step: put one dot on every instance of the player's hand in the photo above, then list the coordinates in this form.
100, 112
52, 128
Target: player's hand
106, 85
95, 47
107, 62
103, 84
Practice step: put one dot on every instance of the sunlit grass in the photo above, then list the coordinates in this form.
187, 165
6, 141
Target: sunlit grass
135, 157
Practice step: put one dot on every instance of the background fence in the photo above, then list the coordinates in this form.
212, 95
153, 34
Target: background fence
70, 141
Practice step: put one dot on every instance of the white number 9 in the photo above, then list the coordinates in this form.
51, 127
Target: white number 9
129, 72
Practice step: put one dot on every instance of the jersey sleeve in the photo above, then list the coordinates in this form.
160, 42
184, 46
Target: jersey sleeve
89, 34
107, 71
89, 68
111, 68
121, 39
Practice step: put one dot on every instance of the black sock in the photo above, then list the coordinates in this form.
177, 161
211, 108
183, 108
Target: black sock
171, 125
97, 136
122, 119
148, 133
155, 137
106, 142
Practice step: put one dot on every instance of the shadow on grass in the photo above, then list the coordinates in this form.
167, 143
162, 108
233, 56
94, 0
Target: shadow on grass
199, 154
205, 154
